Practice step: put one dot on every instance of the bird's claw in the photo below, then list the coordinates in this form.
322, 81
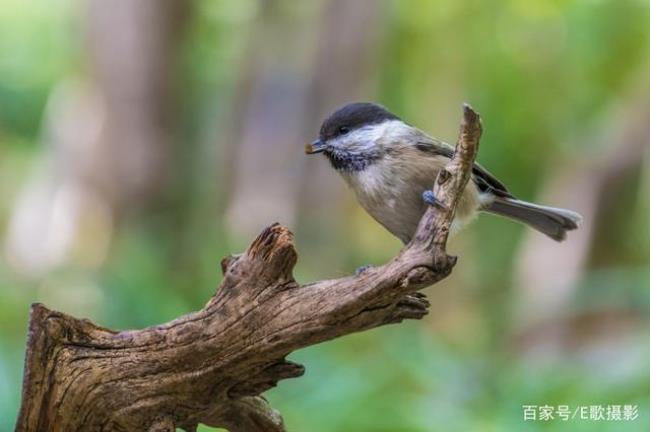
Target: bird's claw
431, 199
362, 269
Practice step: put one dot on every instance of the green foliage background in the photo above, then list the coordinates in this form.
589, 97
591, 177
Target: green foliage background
546, 76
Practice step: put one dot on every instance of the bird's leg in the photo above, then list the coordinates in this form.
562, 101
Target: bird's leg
431, 199
362, 269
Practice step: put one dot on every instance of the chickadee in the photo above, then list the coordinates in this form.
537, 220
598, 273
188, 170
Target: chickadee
392, 166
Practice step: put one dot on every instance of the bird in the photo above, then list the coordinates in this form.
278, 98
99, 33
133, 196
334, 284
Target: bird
391, 166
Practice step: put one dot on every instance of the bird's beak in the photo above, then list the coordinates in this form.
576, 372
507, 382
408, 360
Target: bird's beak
316, 146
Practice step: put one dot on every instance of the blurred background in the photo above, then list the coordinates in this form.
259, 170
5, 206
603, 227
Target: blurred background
142, 141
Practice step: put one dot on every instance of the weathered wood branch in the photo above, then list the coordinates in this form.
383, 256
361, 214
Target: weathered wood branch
212, 365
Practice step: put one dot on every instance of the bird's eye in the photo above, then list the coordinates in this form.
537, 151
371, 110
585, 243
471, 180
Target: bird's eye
343, 130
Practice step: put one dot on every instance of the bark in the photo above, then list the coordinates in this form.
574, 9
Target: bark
212, 365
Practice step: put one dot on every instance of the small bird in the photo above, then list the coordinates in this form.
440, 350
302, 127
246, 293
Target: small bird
392, 166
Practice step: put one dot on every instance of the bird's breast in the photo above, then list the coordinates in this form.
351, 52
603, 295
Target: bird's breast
390, 197
391, 192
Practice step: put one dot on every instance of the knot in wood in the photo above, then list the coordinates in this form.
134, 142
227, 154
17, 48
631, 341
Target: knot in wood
444, 176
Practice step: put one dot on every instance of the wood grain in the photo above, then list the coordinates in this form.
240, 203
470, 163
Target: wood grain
211, 366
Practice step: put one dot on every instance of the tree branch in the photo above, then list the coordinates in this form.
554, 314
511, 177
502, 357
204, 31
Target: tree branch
211, 366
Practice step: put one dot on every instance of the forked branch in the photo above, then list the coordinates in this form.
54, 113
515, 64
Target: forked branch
212, 365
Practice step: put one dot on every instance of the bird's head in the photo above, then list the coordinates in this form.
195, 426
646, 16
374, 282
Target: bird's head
354, 136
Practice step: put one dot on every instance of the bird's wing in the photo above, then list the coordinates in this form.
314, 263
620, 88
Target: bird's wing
485, 181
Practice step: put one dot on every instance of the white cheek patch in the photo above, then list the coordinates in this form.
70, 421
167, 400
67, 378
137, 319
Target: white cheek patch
365, 138
394, 128
357, 141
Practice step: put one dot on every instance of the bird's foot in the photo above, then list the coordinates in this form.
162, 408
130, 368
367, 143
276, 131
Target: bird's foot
363, 269
431, 199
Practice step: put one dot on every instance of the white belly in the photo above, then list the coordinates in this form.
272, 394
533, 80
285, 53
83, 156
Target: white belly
395, 199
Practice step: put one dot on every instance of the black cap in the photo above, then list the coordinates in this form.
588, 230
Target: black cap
353, 116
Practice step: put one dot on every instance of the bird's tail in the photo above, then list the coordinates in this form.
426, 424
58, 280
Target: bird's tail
554, 222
